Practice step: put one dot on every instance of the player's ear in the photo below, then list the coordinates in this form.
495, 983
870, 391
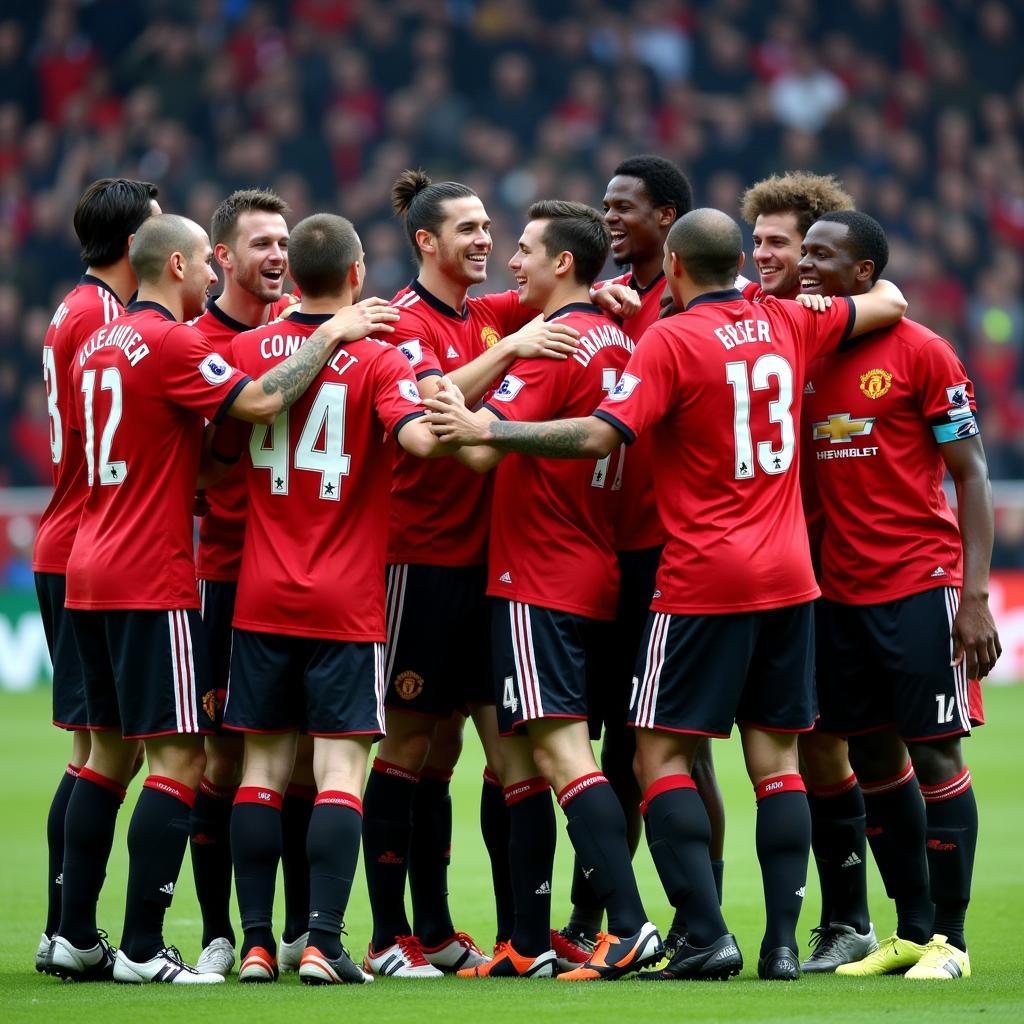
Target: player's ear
565, 263
666, 216
426, 241
177, 264
865, 270
739, 266
222, 254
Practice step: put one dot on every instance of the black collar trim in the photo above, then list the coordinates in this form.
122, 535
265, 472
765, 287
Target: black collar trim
136, 307
91, 279
725, 295
435, 303
660, 279
311, 319
229, 321
574, 307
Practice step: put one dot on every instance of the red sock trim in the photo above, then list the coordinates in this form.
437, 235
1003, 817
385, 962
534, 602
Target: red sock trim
259, 795
297, 791
491, 779
580, 785
956, 786
211, 789
887, 785
73, 771
395, 771
172, 787
112, 785
665, 785
520, 791
776, 784
337, 798
836, 789
437, 774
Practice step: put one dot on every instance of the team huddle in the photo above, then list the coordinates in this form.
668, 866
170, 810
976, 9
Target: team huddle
640, 510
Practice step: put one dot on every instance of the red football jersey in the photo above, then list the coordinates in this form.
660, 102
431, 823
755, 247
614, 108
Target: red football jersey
318, 484
143, 387
637, 523
551, 522
222, 529
439, 508
719, 386
874, 416
88, 306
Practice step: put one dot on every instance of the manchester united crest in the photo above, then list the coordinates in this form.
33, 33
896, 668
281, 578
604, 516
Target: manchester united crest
875, 383
490, 337
210, 704
408, 685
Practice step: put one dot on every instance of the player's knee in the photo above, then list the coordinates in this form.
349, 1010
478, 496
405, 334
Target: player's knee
824, 759
177, 758
936, 761
406, 746
877, 756
446, 746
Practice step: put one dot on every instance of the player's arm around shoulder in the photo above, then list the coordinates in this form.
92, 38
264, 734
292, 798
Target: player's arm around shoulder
880, 307
261, 400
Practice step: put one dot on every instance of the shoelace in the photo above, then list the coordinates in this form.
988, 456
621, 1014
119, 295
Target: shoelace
465, 940
819, 939
501, 947
171, 953
410, 946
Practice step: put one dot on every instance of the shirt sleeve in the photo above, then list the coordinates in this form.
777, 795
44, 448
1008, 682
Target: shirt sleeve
647, 388
197, 377
396, 399
416, 343
945, 392
532, 390
819, 333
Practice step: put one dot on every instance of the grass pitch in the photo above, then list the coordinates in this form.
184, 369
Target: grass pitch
33, 754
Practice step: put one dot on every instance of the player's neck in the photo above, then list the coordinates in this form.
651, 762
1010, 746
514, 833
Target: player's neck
242, 306
451, 293
325, 305
645, 271
118, 277
690, 290
565, 295
170, 300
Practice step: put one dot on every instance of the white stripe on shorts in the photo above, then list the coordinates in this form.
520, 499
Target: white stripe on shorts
525, 659
647, 700
960, 681
394, 604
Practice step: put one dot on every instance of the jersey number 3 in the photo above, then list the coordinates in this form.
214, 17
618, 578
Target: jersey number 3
768, 369
319, 449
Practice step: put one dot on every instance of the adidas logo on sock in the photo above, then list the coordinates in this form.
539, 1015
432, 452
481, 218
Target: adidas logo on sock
800, 892
544, 889
59, 880
852, 861
168, 888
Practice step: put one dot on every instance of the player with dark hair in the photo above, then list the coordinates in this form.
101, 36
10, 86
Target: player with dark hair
437, 649
550, 600
884, 420
107, 216
325, 463
644, 198
250, 243
781, 209
144, 385
719, 385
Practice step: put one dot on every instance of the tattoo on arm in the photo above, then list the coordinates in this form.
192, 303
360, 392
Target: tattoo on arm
296, 373
558, 439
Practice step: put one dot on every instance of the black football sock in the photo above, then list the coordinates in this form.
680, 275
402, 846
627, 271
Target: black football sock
952, 837
718, 870
531, 851
783, 848
597, 828
617, 753
494, 826
333, 849
210, 846
387, 826
256, 845
430, 853
587, 910
840, 853
157, 837
88, 837
678, 831
55, 846
896, 829
295, 813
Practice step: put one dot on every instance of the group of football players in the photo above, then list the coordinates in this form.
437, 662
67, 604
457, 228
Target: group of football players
640, 510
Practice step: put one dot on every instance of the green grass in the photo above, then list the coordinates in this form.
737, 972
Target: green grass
32, 757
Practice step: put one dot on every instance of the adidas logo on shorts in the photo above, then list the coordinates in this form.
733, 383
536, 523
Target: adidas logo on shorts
168, 888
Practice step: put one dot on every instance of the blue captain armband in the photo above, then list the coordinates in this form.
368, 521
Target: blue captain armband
956, 431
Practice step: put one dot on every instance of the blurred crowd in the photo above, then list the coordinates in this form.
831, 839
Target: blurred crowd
917, 105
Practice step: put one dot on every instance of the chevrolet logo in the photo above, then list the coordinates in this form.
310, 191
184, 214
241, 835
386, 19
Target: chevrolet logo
839, 428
